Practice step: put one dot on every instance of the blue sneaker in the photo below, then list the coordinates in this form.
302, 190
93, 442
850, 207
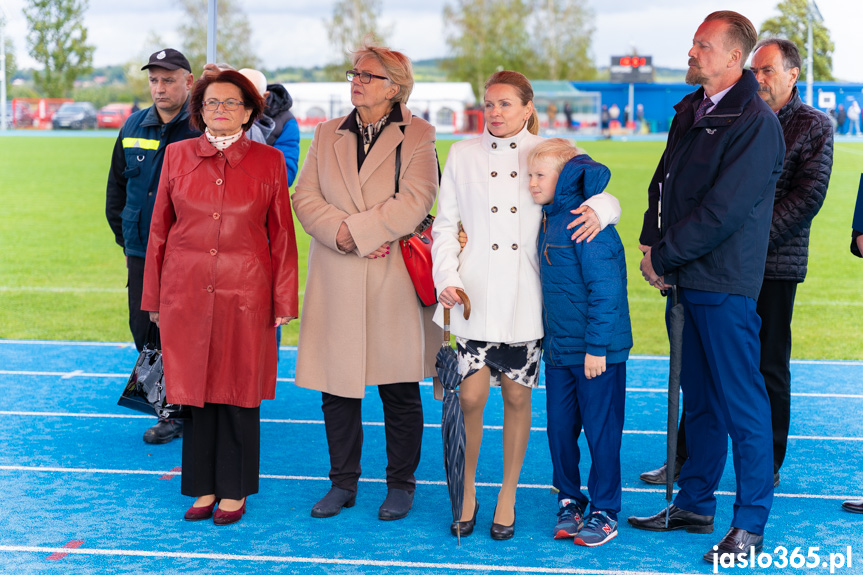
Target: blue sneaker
598, 529
569, 520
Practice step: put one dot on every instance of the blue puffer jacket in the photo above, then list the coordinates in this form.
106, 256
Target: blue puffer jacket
585, 309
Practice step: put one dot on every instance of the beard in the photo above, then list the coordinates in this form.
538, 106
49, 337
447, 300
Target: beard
694, 77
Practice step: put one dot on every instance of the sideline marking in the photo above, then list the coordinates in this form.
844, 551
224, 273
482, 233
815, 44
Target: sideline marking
370, 423
328, 561
379, 480
56, 556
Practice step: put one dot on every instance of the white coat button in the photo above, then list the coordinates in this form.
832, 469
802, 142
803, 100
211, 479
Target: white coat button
513, 145
515, 246
494, 209
494, 246
513, 209
494, 174
513, 174
494, 145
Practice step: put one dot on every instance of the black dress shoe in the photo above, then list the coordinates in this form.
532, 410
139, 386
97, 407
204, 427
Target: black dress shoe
501, 532
736, 541
333, 501
677, 519
854, 506
164, 431
658, 477
397, 504
465, 528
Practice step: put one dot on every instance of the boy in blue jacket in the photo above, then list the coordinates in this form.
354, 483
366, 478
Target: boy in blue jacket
587, 341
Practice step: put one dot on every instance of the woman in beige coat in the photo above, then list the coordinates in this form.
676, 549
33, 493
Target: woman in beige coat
362, 323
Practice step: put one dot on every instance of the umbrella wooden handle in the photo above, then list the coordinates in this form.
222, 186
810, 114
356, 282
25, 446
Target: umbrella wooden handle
466, 303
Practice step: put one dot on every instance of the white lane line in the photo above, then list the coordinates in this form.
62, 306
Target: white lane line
368, 423
96, 471
79, 373
325, 561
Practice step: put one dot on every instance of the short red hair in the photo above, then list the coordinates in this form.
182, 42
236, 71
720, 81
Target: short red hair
251, 99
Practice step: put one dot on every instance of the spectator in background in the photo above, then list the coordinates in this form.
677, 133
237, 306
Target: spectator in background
133, 181
567, 111
841, 118
551, 114
854, 119
604, 118
264, 125
285, 135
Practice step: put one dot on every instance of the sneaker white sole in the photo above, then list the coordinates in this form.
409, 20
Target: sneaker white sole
579, 541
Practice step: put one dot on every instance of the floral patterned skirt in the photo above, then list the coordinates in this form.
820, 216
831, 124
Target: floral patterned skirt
518, 361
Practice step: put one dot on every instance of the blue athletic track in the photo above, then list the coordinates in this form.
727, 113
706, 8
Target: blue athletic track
82, 493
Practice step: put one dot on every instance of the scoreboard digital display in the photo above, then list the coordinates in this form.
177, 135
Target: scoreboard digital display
631, 69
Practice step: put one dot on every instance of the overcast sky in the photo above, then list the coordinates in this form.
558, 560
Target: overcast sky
291, 32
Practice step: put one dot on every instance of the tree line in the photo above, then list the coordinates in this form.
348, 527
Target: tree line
545, 39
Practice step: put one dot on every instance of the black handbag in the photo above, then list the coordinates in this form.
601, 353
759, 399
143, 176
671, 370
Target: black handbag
145, 390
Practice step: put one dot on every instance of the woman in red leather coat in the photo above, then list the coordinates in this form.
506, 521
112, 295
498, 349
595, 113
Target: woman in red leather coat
221, 274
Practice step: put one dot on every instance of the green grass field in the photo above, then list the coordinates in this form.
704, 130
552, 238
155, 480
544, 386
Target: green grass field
62, 276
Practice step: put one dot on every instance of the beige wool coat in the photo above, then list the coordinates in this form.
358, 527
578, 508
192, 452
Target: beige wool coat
362, 323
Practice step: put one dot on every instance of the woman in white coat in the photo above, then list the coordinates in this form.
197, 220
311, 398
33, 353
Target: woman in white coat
485, 188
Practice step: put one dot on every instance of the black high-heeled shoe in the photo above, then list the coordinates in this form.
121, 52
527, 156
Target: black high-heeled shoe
502, 532
465, 526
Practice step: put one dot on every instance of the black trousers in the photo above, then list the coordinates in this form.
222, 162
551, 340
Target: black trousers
775, 307
138, 320
403, 425
222, 451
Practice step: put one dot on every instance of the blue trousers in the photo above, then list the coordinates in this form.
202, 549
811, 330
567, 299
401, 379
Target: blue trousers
725, 396
596, 404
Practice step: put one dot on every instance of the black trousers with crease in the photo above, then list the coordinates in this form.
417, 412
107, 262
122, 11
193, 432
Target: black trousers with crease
403, 426
222, 451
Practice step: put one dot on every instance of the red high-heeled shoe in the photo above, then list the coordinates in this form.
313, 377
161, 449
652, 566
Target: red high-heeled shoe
227, 517
199, 513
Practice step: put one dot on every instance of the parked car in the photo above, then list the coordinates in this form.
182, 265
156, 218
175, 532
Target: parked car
20, 117
113, 115
75, 115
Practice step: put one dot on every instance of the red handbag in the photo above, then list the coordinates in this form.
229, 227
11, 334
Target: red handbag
416, 252
416, 247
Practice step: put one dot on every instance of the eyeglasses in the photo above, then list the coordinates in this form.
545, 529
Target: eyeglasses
229, 105
364, 77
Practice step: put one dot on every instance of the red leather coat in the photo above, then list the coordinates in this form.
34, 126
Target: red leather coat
221, 265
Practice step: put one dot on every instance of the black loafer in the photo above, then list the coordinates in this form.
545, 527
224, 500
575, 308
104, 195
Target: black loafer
333, 501
735, 542
501, 532
853, 506
164, 431
397, 504
465, 528
658, 477
677, 519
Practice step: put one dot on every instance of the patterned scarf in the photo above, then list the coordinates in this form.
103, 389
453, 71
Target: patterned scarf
370, 131
222, 142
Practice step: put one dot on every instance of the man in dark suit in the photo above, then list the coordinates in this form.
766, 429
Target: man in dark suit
707, 227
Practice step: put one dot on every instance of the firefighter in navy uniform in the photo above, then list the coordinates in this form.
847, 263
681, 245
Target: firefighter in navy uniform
133, 181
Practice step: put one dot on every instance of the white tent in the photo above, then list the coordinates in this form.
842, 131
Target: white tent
441, 103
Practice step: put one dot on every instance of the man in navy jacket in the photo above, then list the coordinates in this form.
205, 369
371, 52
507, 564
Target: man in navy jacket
707, 227
134, 179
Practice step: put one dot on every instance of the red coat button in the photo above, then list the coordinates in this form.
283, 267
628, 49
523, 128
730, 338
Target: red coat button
214, 252
216, 215
210, 289
219, 182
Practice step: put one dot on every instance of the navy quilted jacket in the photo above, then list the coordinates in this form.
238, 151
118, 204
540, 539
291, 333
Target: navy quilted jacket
585, 309
801, 188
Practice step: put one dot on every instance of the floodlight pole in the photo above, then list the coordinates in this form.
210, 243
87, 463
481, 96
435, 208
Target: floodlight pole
812, 13
3, 122
212, 6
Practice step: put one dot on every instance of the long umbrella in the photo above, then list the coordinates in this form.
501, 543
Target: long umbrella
675, 341
452, 418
